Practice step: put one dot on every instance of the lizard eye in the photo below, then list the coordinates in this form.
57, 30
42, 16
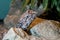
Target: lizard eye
28, 11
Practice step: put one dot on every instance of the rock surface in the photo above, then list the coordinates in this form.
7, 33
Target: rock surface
19, 34
3, 31
40, 29
13, 14
10, 21
48, 29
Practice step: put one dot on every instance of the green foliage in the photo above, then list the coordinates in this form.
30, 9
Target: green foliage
43, 5
24, 4
13, 1
33, 4
57, 4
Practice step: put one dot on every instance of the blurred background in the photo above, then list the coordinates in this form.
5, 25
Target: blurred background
4, 8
